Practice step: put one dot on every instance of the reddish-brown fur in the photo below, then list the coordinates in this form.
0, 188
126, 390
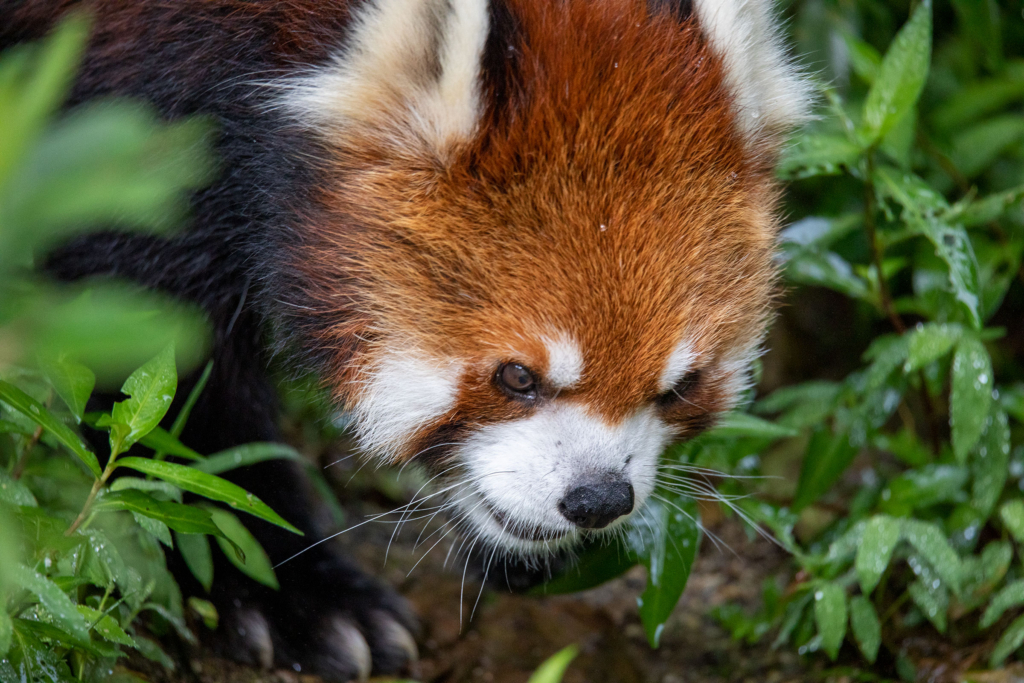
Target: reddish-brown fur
609, 197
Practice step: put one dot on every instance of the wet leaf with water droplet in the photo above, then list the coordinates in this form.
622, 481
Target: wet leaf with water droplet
208, 486
881, 534
970, 395
150, 390
669, 546
929, 540
830, 616
901, 76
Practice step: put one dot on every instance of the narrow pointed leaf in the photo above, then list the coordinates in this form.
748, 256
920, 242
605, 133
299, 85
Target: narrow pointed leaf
830, 616
35, 411
880, 537
901, 76
52, 598
970, 395
256, 564
195, 550
209, 486
866, 629
249, 454
553, 668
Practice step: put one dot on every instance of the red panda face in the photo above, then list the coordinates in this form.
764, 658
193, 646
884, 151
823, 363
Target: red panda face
533, 277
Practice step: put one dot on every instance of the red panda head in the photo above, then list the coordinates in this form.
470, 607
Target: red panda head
542, 242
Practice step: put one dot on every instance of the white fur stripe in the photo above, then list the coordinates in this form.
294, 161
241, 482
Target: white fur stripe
679, 362
770, 92
565, 362
403, 392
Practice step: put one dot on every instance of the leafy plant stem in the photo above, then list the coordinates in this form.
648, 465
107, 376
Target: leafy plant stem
885, 297
894, 607
19, 466
97, 486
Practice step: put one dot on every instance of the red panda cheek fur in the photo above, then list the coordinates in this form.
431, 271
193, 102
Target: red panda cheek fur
607, 196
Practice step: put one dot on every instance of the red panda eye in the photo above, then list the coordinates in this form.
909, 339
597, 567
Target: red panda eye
516, 378
681, 388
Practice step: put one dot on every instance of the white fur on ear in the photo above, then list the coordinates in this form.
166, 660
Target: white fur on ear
770, 92
409, 71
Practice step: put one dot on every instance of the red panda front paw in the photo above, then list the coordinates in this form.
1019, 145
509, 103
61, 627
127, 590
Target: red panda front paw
328, 619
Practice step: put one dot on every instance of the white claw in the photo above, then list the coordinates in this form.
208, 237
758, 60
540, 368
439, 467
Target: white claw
350, 646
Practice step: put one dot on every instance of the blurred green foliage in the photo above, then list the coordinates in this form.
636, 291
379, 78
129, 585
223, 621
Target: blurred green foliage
82, 552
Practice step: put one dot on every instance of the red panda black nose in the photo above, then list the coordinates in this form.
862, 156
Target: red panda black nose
596, 505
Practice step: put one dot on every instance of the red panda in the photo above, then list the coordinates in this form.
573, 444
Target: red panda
527, 243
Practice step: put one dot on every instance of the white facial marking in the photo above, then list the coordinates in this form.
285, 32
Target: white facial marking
385, 74
733, 371
565, 361
403, 392
680, 361
771, 93
523, 468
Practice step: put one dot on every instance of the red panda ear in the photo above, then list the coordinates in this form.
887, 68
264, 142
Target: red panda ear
770, 93
408, 74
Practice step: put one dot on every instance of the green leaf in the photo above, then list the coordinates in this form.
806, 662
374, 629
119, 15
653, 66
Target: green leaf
209, 486
52, 598
830, 616
826, 459
1011, 640
738, 425
930, 342
864, 58
195, 550
256, 564
970, 396
184, 518
901, 76
190, 402
168, 491
14, 492
923, 487
150, 390
35, 411
153, 652
161, 441
866, 628
976, 148
932, 600
6, 631
815, 155
249, 454
990, 462
881, 534
155, 528
929, 540
827, 269
1012, 595
72, 381
598, 564
668, 533
953, 246
206, 610
1012, 515
980, 22
41, 89
553, 668
106, 626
